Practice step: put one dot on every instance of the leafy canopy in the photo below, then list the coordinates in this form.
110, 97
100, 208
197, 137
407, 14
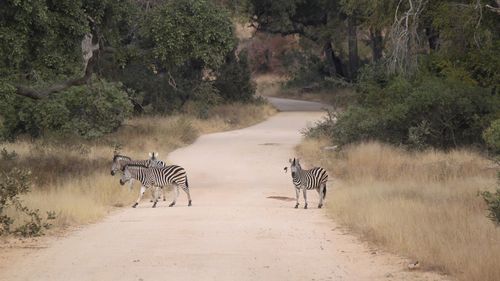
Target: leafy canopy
191, 31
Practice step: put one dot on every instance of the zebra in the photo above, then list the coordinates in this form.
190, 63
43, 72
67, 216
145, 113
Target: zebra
120, 160
156, 178
314, 178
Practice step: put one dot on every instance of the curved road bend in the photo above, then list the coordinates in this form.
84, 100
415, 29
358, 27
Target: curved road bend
233, 231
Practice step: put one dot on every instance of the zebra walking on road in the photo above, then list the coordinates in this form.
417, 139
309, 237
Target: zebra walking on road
314, 178
119, 161
157, 178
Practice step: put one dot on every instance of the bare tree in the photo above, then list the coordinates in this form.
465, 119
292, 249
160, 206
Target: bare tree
404, 38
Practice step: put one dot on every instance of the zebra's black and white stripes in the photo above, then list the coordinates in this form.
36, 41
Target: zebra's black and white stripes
157, 178
119, 161
314, 178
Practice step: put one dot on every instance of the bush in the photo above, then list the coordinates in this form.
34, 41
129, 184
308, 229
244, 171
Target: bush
234, 80
492, 136
88, 111
13, 183
493, 202
426, 111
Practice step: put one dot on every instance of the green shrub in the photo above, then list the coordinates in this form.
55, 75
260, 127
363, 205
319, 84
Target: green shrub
88, 111
13, 183
492, 136
426, 111
234, 80
492, 201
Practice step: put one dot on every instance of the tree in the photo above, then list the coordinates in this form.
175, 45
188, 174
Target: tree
194, 32
45, 44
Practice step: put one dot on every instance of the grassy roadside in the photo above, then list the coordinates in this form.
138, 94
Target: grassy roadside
71, 177
423, 205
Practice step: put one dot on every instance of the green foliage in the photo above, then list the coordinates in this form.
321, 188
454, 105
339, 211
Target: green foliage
39, 37
492, 201
13, 183
492, 136
427, 111
234, 81
88, 111
190, 31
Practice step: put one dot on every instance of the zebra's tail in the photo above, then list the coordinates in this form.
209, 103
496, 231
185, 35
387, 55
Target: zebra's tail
187, 184
324, 191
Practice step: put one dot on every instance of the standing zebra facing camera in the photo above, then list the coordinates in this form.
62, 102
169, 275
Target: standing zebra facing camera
156, 178
314, 178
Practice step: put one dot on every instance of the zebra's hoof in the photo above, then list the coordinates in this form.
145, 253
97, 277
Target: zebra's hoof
189, 203
135, 205
171, 204
320, 205
164, 199
305, 207
151, 200
296, 205
154, 205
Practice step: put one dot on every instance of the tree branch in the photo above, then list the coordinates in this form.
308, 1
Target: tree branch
89, 63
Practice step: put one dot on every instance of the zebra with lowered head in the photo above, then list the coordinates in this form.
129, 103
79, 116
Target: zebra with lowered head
314, 178
156, 178
121, 160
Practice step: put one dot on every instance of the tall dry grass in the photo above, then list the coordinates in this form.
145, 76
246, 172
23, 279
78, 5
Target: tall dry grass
423, 205
72, 177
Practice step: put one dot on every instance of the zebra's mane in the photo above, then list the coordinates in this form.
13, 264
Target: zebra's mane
121, 156
136, 165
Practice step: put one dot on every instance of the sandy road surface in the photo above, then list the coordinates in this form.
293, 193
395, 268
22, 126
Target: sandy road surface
233, 231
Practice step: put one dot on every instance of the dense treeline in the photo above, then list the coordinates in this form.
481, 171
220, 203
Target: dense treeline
81, 67
426, 73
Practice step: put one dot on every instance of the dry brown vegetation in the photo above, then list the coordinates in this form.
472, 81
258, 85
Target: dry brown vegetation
72, 177
423, 205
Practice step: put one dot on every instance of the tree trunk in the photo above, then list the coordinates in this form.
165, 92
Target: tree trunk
334, 63
376, 43
433, 38
353, 47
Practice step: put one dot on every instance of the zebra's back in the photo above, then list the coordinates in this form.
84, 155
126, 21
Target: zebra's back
171, 174
312, 179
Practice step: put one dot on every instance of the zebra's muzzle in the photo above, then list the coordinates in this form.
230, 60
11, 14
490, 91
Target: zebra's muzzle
293, 174
122, 182
112, 172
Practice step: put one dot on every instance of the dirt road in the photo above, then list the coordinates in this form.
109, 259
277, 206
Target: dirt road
235, 230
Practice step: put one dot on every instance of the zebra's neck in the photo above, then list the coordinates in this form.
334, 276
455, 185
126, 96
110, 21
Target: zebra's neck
137, 172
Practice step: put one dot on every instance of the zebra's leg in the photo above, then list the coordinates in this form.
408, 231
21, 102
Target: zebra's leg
186, 189
320, 192
155, 194
297, 190
143, 189
305, 198
176, 187
163, 193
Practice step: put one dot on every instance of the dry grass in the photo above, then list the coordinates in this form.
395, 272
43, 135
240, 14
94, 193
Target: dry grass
71, 177
422, 205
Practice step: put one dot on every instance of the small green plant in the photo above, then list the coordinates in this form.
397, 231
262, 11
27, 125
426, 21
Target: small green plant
493, 202
6, 155
13, 183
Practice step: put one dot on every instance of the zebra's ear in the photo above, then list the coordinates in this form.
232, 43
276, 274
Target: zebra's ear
155, 155
297, 161
290, 160
150, 155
